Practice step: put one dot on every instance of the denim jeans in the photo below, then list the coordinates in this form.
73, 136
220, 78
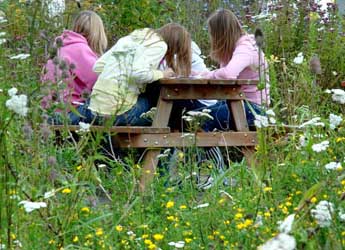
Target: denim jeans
222, 118
84, 115
132, 116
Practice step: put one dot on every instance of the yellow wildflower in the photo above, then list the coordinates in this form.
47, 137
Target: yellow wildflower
183, 207
119, 228
158, 237
151, 246
144, 236
66, 191
313, 200
238, 216
148, 242
171, 218
170, 204
85, 210
267, 189
99, 231
188, 240
79, 167
75, 239
267, 214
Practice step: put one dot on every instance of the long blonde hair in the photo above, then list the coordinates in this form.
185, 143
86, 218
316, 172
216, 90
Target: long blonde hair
90, 25
179, 55
225, 30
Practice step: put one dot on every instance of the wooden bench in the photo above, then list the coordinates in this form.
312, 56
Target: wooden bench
159, 136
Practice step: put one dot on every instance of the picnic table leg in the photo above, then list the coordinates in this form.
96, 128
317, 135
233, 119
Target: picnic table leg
241, 124
150, 161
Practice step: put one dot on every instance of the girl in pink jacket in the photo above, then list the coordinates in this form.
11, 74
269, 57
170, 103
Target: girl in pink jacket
238, 56
70, 72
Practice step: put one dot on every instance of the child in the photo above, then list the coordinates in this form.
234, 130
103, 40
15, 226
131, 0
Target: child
78, 50
238, 56
133, 62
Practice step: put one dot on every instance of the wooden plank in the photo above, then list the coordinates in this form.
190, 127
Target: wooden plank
241, 124
239, 115
178, 139
191, 80
116, 129
233, 82
150, 160
190, 92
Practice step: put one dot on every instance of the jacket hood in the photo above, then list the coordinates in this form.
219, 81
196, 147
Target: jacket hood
246, 40
70, 37
144, 34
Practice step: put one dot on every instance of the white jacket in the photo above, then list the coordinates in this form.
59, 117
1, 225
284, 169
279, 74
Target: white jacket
125, 70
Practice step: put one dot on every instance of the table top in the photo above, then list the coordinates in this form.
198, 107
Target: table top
198, 81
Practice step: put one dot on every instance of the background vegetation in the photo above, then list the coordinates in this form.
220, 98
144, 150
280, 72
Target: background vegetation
92, 201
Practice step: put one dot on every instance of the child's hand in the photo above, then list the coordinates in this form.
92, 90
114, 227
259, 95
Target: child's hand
169, 73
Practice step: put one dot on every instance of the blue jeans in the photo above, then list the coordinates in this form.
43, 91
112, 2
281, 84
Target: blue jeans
222, 118
132, 116
85, 115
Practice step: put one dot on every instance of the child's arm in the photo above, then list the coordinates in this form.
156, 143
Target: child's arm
237, 64
146, 62
83, 67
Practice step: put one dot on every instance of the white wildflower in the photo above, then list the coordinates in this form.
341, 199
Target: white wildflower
335, 73
165, 154
286, 225
334, 121
321, 146
12, 91
303, 141
2, 40
261, 121
55, 7
3, 19
199, 114
258, 221
2, 246
179, 244
20, 57
18, 103
272, 120
313, 122
333, 166
84, 127
323, 213
149, 114
298, 59
201, 206
30, 206
49, 194
281, 242
131, 233
341, 215
18, 243
338, 95
270, 112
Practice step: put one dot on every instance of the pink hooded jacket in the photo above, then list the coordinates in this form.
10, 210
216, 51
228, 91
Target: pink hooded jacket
75, 50
244, 64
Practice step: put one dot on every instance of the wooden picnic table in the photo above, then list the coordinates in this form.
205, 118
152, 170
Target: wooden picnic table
173, 89
159, 135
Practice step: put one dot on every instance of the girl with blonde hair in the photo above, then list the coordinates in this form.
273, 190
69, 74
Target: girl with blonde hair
131, 64
239, 58
77, 51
